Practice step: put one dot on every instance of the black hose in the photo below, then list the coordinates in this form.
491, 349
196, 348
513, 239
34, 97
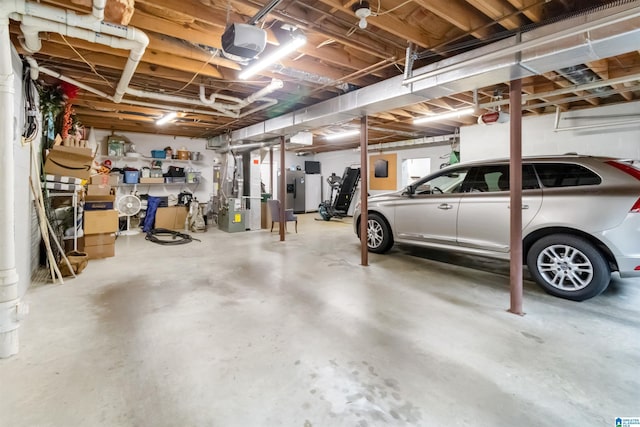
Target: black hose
177, 238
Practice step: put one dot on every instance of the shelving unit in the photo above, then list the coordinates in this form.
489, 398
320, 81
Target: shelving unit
77, 215
118, 158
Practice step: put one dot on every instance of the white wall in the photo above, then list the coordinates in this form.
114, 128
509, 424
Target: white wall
144, 143
538, 137
336, 161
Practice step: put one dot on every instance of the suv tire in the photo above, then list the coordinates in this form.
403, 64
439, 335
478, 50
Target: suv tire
568, 267
379, 238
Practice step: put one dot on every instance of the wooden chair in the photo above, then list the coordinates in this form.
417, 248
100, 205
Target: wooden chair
274, 209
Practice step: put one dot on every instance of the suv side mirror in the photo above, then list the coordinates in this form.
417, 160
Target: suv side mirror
410, 190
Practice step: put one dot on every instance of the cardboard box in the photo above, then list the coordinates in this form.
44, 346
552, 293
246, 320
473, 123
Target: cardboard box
172, 218
69, 161
151, 180
102, 179
96, 222
98, 205
100, 251
99, 202
100, 239
98, 190
100, 198
68, 244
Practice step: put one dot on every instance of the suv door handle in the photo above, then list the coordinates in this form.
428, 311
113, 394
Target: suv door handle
445, 206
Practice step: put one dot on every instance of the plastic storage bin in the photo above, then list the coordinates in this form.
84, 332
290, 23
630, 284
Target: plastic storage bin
158, 154
131, 177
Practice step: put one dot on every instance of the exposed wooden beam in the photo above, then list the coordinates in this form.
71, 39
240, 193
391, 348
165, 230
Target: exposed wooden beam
155, 57
461, 15
499, 11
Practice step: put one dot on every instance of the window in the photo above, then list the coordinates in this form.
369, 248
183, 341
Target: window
449, 182
496, 178
566, 175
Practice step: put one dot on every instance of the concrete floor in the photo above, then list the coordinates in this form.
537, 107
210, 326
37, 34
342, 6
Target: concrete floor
243, 330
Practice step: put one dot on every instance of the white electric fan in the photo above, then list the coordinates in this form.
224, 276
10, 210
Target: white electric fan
128, 206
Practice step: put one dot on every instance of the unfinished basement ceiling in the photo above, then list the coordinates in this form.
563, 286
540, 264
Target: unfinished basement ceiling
184, 55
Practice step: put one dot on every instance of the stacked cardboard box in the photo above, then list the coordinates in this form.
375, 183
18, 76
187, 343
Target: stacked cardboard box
69, 161
172, 218
100, 226
101, 245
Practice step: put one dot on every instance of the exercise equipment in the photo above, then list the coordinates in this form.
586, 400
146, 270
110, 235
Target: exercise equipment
342, 192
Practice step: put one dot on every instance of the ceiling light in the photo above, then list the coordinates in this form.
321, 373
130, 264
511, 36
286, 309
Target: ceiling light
362, 11
166, 118
340, 135
449, 115
296, 41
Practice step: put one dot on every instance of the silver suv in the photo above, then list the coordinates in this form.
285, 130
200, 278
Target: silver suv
580, 217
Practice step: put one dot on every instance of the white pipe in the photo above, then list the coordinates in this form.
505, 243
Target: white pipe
211, 101
171, 108
98, 9
31, 27
178, 99
270, 88
38, 17
70, 80
557, 128
241, 103
601, 125
268, 103
67, 17
8, 273
34, 70
132, 63
203, 97
95, 91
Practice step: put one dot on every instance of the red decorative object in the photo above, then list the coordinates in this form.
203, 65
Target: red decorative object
69, 90
67, 122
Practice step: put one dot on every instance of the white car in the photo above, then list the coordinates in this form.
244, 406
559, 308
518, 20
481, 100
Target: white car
580, 218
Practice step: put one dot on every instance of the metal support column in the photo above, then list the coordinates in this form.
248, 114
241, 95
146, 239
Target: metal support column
364, 185
271, 171
515, 185
282, 190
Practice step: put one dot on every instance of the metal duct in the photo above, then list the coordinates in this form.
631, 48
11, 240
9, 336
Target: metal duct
581, 39
580, 74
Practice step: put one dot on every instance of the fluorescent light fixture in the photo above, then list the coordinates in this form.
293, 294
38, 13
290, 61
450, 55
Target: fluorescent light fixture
341, 135
166, 118
450, 115
296, 41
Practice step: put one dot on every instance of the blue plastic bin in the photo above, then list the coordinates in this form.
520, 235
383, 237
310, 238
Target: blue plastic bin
131, 177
